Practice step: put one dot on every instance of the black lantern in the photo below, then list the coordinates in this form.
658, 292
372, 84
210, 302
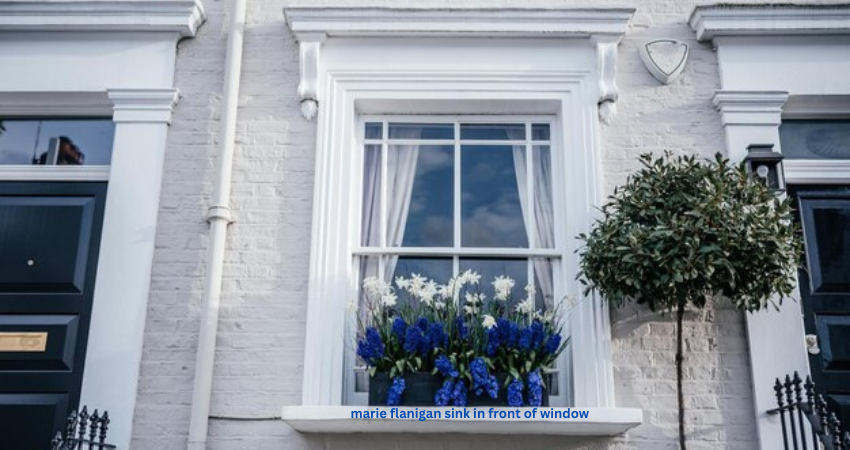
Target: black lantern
765, 165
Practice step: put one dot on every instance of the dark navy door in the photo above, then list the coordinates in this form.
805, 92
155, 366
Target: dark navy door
824, 213
49, 240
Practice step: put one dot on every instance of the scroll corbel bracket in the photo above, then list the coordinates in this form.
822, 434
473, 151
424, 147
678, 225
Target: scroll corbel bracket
310, 52
606, 56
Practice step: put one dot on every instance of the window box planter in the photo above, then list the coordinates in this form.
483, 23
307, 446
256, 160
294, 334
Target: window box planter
421, 387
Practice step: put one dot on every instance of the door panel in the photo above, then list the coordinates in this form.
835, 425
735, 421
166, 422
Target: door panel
36, 415
824, 214
50, 238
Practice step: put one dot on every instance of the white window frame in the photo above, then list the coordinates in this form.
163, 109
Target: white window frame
557, 254
574, 81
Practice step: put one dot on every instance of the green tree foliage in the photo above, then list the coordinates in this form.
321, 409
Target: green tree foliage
681, 231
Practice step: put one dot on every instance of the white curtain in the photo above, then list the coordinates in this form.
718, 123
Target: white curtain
401, 171
543, 231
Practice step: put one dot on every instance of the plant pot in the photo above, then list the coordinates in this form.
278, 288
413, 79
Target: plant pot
502, 400
420, 388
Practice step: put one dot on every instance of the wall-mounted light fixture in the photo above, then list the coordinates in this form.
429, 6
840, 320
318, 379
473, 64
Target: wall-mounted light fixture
765, 165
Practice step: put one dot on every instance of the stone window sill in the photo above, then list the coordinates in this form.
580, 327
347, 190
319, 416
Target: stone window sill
337, 419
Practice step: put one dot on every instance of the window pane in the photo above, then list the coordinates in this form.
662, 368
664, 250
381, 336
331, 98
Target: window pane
370, 219
544, 283
815, 139
56, 142
544, 213
493, 131
423, 177
437, 269
374, 130
490, 268
540, 132
421, 131
490, 203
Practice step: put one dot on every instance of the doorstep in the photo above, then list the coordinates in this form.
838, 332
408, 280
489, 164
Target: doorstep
338, 419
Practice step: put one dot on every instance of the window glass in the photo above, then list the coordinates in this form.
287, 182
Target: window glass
491, 214
56, 141
430, 214
815, 139
421, 131
493, 131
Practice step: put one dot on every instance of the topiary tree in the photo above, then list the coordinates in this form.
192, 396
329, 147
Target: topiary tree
682, 230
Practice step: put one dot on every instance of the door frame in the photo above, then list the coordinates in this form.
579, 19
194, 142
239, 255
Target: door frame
134, 179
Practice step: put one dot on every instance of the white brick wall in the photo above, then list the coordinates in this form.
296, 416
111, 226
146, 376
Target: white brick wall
260, 345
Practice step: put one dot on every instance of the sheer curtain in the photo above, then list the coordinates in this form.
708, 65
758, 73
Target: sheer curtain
543, 209
401, 171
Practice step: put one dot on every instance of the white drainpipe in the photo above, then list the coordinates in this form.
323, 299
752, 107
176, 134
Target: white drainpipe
219, 217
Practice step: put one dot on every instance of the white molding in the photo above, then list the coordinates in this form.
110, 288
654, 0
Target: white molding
53, 173
143, 105
337, 419
335, 204
603, 27
177, 16
310, 51
750, 107
395, 22
817, 171
711, 21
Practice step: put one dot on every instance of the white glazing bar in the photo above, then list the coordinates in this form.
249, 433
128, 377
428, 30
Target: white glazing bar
452, 141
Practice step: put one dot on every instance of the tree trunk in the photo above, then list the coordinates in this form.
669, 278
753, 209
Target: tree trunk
680, 315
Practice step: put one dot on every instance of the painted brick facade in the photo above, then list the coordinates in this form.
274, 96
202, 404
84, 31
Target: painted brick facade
260, 345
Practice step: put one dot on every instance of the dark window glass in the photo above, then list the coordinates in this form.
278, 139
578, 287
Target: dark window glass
491, 213
832, 230
56, 141
421, 131
815, 139
493, 131
374, 130
431, 211
540, 132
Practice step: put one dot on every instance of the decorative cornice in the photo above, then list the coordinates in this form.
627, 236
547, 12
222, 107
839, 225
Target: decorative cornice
178, 16
603, 27
143, 105
750, 107
457, 22
726, 19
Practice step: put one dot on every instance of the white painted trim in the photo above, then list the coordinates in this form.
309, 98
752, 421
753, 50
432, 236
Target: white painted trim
337, 163
53, 173
466, 22
802, 107
177, 16
817, 171
711, 21
753, 117
126, 256
603, 28
337, 419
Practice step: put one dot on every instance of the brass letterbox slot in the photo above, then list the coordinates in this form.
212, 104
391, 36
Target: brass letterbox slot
22, 342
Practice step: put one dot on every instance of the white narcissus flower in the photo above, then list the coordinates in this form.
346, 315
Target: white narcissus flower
353, 306
428, 292
389, 300
503, 286
439, 306
470, 277
375, 287
488, 321
526, 306
402, 282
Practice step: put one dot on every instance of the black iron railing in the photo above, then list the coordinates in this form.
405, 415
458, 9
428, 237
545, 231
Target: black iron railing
799, 411
83, 432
